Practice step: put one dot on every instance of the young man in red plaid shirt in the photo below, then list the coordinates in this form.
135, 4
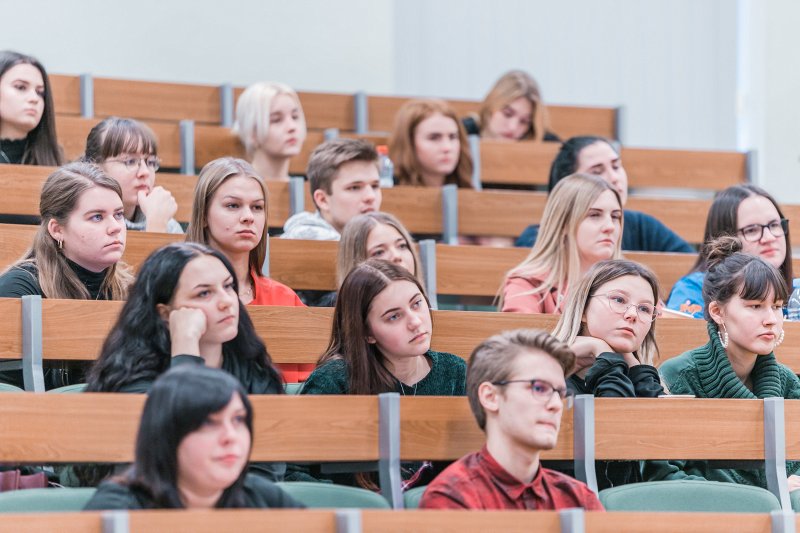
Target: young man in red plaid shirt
517, 392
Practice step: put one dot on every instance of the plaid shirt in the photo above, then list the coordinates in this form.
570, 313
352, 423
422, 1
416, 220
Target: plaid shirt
477, 481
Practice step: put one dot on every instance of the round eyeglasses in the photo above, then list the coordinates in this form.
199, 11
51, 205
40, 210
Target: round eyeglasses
132, 163
542, 390
620, 303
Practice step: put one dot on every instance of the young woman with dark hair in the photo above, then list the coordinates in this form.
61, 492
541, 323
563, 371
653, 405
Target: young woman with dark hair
183, 308
127, 151
380, 342
744, 297
27, 118
754, 217
597, 156
192, 449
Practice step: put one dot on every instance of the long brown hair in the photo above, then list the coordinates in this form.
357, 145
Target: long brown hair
60, 195
41, 147
403, 151
366, 365
211, 178
510, 86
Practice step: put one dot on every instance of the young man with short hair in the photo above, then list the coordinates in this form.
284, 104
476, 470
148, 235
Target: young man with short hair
517, 392
344, 179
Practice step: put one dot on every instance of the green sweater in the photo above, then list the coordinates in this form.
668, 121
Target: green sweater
706, 372
447, 378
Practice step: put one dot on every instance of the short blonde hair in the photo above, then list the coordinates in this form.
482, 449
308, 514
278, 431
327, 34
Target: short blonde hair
353, 244
253, 110
512, 85
211, 178
571, 323
554, 257
404, 154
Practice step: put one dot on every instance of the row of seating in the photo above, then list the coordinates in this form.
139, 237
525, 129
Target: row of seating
88, 96
187, 146
449, 270
445, 211
36, 330
377, 432
377, 521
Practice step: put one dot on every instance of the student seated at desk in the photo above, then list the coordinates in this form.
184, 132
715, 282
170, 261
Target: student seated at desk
27, 116
512, 110
192, 449
517, 392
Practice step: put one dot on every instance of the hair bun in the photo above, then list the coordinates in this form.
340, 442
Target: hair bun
719, 249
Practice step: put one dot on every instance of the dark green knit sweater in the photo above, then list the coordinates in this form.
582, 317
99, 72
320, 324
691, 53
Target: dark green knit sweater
447, 378
706, 372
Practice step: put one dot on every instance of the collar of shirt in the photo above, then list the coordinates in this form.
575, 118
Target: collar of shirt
511, 486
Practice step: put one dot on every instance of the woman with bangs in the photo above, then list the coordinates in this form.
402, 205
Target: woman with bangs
429, 146
609, 322
513, 110
192, 450
127, 151
744, 297
271, 126
753, 216
581, 225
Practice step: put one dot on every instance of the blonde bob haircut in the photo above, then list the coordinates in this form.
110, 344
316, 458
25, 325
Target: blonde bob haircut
211, 178
253, 110
572, 322
554, 257
353, 244
61, 193
403, 152
512, 85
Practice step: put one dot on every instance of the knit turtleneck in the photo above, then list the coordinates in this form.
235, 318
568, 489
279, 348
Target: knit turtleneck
12, 150
718, 379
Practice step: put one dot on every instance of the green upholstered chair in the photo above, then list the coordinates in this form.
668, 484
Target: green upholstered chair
293, 388
412, 497
77, 387
328, 495
5, 387
689, 496
45, 500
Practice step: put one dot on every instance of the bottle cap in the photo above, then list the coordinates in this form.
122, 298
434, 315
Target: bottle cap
382, 149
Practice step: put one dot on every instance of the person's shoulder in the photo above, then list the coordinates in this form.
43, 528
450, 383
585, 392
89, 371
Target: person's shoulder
113, 495
310, 226
328, 378
580, 491
674, 372
790, 381
275, 293
447, 359
20, 280
263, 493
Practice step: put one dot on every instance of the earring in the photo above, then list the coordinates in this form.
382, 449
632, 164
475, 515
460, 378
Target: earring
723, 335
60, 244
780, 338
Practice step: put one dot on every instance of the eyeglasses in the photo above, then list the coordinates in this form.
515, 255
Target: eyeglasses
619, 303
132, 163
755, 232
542, 390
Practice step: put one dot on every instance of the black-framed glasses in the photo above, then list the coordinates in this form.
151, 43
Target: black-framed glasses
132, 163
755, 232
620, 303
542, 390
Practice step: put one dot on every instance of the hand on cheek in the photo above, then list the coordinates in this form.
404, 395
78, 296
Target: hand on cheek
586, 351
186, 326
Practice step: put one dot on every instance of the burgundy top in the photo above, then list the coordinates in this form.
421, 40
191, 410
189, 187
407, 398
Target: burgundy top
477, 481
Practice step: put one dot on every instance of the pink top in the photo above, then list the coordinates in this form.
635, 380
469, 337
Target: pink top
516, 297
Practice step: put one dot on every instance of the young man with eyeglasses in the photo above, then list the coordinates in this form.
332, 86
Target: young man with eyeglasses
517, 392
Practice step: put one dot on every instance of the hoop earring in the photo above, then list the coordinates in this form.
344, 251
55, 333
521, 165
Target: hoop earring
780, 338
722, 333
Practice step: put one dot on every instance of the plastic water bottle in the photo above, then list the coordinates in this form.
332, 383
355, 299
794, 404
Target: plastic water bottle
793, 306
386, 167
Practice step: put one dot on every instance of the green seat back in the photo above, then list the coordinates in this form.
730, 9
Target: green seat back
7, 387
293, 388
794, 497
689, 496
328, 495
412, 497
77, 387
45, 500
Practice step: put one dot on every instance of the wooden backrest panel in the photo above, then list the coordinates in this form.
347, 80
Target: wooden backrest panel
698, 428
41, 427
791, 414
84, 522
437, 428
239, 520
633, 522
418, 208
66, 92
309, 265
148, 100
690, 169
322, 110
375, 521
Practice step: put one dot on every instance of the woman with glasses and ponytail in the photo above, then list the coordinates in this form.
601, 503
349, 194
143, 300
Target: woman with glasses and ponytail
609, 322
127, 150
751, 215
744, 296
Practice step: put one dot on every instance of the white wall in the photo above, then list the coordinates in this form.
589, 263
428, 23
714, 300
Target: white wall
706, 74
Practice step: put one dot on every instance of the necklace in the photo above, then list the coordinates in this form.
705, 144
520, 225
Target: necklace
403, 388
